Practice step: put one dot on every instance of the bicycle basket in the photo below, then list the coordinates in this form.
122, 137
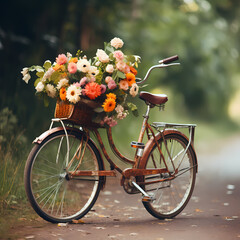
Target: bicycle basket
80, 113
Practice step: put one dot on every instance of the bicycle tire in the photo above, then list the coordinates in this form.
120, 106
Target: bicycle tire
52, 195
171, 197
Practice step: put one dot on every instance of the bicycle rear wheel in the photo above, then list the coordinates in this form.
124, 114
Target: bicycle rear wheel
52, 194
171, 196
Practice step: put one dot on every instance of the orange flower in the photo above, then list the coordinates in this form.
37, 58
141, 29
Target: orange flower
109, 104
73, 60
93, 90
111, 95
63, 94
133, 70
130, 77
59, 67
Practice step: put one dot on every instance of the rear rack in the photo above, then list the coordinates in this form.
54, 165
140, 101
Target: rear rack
161, 126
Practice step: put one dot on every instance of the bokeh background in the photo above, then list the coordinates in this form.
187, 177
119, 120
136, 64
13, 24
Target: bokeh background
204, 89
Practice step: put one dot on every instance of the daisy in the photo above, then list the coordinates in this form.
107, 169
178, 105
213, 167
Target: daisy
93, 71
51, 90
109, 105
83, 65
63, 94
134, 90
73, 94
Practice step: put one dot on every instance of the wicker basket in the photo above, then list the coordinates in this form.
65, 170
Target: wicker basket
80, 113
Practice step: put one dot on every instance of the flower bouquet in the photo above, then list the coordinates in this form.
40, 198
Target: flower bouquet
94, 90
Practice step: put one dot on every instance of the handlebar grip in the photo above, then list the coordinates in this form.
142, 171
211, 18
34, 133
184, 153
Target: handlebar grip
170, 59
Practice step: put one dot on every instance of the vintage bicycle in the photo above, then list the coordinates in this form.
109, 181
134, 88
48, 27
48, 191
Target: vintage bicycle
65, 171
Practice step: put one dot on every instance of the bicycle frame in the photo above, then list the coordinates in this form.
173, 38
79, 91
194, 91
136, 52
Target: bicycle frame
139, 158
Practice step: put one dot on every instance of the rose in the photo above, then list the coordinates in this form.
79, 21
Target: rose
109, 68
102, 56
116, 42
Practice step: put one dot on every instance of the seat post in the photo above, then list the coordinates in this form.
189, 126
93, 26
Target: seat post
144, 124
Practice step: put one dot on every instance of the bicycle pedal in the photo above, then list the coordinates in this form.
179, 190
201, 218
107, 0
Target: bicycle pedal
147, 199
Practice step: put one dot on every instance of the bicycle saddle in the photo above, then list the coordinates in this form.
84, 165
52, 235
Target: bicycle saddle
155, 99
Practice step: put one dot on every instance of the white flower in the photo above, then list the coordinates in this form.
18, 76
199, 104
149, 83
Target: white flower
93, 71
24, 71
83, 65
116, 42
48, 74
39, 87
119, 108
69, 55
134, 90
109, 68
97, 63
51, 90
122, 115
73, 94
102, 56
62, 83
26, 78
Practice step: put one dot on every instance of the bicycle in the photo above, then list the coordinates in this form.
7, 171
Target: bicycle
65, 171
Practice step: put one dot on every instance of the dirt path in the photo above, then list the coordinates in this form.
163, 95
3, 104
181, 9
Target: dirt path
213, 211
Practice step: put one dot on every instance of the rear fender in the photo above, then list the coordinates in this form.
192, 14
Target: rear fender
149, 145
51, 131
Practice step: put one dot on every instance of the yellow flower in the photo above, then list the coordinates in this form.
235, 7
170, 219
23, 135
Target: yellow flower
111, 95
109, 104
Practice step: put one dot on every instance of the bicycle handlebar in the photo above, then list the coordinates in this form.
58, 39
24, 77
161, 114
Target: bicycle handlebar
169, 59
162, 63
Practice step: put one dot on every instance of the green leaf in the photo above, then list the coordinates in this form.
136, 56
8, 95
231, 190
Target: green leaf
37, 81
132, 106
40, 74
131, 58
46, 101
121, 74
47, 64
98, 110
55, 77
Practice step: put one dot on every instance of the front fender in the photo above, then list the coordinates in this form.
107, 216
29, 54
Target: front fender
51, 131
149, 145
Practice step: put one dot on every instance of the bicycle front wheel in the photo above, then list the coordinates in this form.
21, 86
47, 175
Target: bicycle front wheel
171, 196
52, 194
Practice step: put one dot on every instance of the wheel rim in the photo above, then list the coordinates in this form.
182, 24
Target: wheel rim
171, 196
54, 193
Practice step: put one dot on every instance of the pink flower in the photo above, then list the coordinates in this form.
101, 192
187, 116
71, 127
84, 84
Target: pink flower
123, 84
121, 66
118, 55
112, 84
108, 79
77, 84
72, 67
117, 42
127, 69
110, 121
61, 59
83, 81
103, 88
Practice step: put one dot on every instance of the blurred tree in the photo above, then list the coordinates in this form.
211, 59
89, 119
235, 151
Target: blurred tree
199, 32
204, 33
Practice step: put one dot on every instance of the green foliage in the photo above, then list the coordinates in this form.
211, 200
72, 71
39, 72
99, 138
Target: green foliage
12, 150
204, 33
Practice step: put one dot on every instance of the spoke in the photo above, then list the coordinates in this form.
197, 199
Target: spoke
45, 179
